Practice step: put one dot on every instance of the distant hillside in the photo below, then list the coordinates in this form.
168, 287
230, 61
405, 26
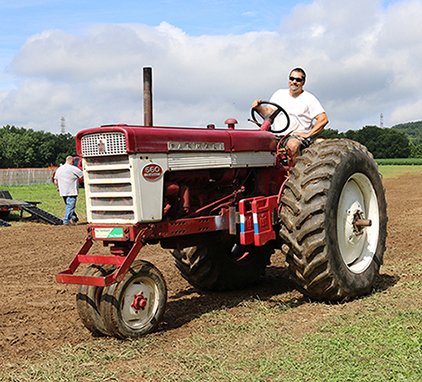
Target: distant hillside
413, 131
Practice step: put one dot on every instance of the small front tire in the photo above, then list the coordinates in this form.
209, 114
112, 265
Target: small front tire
88, 301
135, 306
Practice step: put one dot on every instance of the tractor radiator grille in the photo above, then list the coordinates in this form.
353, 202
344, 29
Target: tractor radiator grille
109, 189
113, 143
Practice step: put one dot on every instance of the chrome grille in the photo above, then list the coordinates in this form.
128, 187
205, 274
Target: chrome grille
111, 216
112, 143
109, 189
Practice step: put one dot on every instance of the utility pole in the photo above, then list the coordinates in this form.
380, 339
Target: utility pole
381, 120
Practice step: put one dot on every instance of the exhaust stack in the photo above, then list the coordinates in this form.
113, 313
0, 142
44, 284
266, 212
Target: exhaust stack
148, 96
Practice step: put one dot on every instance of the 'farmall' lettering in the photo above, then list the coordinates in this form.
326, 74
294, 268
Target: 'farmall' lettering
195, 146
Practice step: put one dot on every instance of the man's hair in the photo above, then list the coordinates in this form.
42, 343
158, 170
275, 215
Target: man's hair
69, 159
300, 70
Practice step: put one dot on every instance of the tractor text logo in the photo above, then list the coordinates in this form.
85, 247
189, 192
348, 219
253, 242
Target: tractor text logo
152, 172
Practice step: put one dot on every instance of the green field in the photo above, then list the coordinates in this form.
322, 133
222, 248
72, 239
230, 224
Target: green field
389, 171
281, 338
400, 162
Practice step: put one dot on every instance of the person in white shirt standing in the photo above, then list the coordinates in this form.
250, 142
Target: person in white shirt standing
66, 180
302, 107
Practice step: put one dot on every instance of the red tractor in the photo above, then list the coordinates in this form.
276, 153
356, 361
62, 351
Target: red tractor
222, 199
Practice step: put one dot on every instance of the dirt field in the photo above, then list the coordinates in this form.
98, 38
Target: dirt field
38, 313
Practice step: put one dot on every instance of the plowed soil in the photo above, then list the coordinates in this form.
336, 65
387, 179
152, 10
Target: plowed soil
38, 313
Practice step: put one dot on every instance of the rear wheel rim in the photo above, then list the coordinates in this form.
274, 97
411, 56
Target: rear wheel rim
358, 199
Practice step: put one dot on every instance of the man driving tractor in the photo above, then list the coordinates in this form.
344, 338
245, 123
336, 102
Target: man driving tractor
302, 107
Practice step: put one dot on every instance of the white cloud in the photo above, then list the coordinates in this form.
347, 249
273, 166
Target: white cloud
411, 111
361, 61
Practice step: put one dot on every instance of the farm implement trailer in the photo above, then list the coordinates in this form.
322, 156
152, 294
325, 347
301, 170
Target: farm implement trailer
8, 204
222, 200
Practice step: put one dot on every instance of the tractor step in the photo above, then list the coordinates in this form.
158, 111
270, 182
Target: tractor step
41, 214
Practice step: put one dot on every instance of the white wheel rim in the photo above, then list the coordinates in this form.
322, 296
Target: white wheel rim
138, 318
357, 248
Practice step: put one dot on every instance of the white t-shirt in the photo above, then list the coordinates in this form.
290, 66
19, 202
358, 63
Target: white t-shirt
68, 179
302, 110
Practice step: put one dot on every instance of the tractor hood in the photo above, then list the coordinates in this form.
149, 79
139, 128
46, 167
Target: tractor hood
142, 139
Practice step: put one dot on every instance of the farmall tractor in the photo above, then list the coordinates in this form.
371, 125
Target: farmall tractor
222, 200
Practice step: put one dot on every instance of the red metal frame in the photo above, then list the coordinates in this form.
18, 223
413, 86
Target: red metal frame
141, 235
257, 217
135, 236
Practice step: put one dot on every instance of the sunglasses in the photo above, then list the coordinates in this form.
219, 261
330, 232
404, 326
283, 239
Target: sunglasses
296, 79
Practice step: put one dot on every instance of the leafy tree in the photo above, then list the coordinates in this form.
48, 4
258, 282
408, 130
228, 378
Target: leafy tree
21, 147
382, 143
415, 151
413, 131
330, 134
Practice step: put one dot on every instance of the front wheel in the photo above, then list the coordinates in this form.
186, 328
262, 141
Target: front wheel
134, 306
334, 221
88, 301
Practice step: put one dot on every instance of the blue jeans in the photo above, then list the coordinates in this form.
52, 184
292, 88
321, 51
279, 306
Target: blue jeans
70, 213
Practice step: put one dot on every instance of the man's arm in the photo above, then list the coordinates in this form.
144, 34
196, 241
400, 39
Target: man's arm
264, 110
321, 121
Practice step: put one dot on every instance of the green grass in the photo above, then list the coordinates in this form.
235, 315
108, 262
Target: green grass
397, 171
400, 162
369, 343
50, 199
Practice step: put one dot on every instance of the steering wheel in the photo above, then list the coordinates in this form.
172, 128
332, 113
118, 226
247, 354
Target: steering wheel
271, 117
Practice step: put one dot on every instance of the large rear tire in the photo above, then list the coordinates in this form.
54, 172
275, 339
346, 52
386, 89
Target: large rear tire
332, 192
222, 266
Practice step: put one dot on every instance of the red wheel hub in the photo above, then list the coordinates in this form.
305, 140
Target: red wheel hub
139, 301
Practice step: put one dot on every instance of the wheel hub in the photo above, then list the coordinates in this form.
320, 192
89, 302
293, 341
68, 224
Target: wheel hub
354, 228
139, 302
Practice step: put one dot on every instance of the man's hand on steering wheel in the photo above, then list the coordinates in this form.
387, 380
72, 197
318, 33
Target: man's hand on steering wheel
268, 120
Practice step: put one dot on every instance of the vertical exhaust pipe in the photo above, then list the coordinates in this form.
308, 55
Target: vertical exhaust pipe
148, 96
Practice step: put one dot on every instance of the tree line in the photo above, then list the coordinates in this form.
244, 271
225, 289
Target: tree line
20, 147
399, 141
381, 142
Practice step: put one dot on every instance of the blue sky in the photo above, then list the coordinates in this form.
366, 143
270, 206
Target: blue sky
83, 59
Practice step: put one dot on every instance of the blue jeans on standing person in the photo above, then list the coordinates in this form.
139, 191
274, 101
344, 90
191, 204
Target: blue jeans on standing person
70, 213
